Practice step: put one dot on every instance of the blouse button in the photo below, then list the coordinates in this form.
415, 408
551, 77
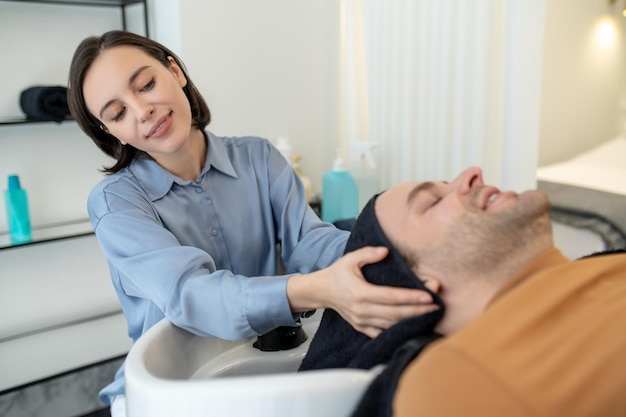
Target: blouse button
214, 232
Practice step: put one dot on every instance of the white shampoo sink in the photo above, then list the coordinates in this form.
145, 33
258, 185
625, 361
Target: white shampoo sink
171, 372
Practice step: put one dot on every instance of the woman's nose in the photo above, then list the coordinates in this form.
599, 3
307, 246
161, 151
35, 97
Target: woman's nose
469, 178
145, 112
142, 109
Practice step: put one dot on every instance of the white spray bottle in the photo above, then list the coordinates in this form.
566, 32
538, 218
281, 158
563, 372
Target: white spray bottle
364, 171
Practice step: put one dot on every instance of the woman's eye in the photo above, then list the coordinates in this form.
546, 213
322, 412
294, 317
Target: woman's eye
148, 86
119, 115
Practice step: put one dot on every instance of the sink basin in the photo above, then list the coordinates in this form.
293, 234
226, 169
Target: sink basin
170, 371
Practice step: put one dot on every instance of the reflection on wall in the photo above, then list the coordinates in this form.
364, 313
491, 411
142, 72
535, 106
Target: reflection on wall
584, 88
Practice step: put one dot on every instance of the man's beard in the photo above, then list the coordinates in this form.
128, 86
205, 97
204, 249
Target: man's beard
479, 241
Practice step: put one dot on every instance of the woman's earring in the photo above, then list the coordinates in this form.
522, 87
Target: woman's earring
103, 127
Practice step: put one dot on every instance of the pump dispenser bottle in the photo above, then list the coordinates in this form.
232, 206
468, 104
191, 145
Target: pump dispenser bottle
18, 216
340, 197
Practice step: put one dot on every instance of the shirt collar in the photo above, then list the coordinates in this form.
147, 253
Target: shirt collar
218, 156
157, 181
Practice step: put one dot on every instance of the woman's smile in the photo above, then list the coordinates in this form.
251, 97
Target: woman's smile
161, 127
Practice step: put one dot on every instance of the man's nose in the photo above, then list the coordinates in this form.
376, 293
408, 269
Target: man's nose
469, 178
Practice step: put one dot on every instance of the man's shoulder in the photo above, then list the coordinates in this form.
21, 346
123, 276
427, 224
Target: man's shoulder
446, 380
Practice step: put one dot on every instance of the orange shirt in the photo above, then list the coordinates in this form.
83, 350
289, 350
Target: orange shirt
552, 343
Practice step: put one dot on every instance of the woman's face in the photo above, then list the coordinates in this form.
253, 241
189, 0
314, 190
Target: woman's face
139, 100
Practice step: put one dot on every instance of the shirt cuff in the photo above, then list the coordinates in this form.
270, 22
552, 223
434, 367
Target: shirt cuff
267, 306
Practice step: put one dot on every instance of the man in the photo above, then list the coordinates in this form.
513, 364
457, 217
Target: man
527, 331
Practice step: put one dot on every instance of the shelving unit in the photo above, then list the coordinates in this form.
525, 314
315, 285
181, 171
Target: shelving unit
80, 227
122, 4
99, 3
23, 120
66, 334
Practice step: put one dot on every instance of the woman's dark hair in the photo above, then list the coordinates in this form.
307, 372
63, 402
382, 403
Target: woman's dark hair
84, 56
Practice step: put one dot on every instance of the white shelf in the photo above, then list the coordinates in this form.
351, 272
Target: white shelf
51, 232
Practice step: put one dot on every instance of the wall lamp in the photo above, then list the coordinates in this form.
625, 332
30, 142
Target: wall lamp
623, 10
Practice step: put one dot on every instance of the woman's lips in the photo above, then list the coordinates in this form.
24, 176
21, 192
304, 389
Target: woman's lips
161, 127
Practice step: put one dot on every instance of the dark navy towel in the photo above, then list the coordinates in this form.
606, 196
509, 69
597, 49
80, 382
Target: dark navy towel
378, 398
47, 103
336, 344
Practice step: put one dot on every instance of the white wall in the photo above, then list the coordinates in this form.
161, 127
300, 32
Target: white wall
268, 68
584, 82
164, 22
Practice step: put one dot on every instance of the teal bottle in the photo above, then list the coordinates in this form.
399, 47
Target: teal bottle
18, 217
340, 197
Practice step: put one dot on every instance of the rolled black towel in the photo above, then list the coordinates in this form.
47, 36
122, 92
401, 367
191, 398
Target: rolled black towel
47, 103
336, 344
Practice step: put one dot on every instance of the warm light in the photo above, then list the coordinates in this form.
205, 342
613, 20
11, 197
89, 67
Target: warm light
605, 34
603, 41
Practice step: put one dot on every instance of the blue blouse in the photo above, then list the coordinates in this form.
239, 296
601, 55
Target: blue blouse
205, 253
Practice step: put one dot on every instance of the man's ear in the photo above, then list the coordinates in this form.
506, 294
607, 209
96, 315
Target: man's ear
432, 284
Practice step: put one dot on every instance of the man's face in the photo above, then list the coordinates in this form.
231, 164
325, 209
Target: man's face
463, 226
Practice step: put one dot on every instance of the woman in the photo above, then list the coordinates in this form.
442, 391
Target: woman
190, 222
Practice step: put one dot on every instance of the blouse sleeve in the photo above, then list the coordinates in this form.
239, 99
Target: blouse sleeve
149, 265
307, 243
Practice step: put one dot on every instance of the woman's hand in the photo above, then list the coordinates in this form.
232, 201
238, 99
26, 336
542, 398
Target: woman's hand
369, 308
